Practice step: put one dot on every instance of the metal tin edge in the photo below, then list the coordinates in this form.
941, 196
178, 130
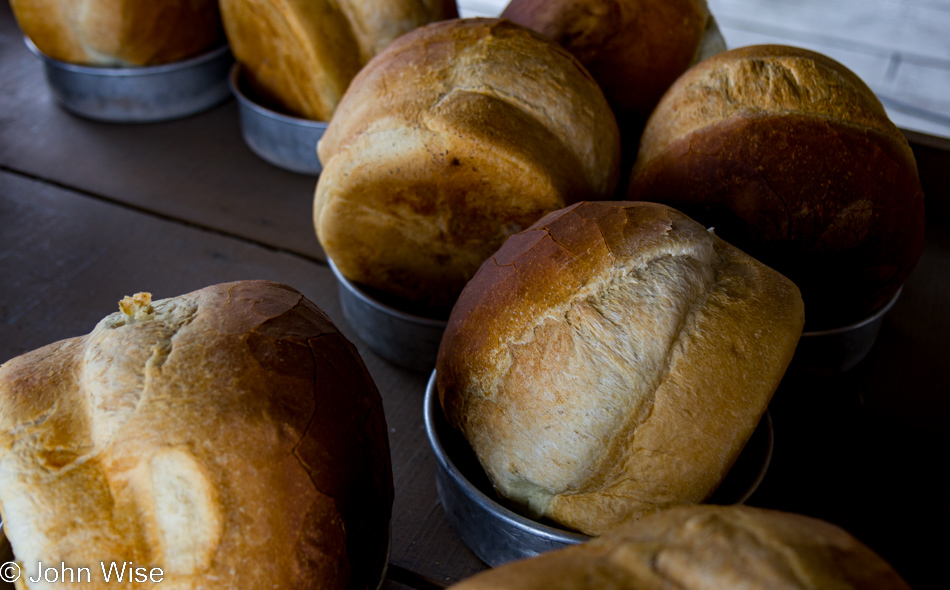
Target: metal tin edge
249, 103
859, 324
367, 300
107, 71
507, 516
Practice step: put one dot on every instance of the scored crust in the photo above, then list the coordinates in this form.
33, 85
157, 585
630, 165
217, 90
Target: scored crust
704, 547
791, 158
613, 360
456, 136
230, 436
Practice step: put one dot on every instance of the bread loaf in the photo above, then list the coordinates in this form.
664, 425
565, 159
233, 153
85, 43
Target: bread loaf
230, 437
456, 136
635, 49
613, 360
120, 32
793, 159
702, 548
300, 55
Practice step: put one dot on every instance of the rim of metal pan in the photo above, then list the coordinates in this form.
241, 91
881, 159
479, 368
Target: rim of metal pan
125, 71
234, 82
876, 316
367, 300
511, 518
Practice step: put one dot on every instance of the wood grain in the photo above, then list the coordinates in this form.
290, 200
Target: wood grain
66, 259
196, 169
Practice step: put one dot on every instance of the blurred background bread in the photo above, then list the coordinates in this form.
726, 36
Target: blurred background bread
613, 360
300, 55
793, 159
456, 136
635, 49
702, 548
120, 32
231, 437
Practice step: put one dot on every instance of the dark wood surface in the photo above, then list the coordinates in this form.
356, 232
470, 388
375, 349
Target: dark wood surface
90, 212
197, 170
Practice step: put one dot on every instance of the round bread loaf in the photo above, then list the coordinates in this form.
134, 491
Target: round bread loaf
792, 159
613, 360
635, 49
231, 437
300, 55
458, 135
120, 32
702, 548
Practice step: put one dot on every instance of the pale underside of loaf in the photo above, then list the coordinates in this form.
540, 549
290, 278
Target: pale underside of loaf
302, 54
119, 32
299, 55
162, 439
443, 149
636, 392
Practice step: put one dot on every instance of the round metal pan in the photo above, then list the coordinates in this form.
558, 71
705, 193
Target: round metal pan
407, 340
284, 141
498, 535
831, 352
140, 95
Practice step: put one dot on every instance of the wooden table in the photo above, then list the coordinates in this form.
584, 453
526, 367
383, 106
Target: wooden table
90, 212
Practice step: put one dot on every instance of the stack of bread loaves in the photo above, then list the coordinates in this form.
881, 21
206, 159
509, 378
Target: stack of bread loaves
792, 158
456, 136
227, 438
701, 548
119, 32
300, 55
613, 360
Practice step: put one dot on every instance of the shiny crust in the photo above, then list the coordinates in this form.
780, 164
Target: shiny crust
793, 159
230, 436
613, 360
635, 49
120, 32
701, 547
301, 55
456, 136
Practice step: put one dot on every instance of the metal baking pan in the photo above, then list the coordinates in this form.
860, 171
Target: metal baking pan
282, 140
498, 535
140, 94
407, 340
832, 352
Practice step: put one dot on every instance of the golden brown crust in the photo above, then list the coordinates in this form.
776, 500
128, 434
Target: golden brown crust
613, 361
700, 547
793, 159
456, 136
302, 54
119, 32
635, 49
230, 436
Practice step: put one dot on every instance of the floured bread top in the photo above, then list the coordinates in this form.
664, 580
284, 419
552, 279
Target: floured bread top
613, 360
761, 81
182, 434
